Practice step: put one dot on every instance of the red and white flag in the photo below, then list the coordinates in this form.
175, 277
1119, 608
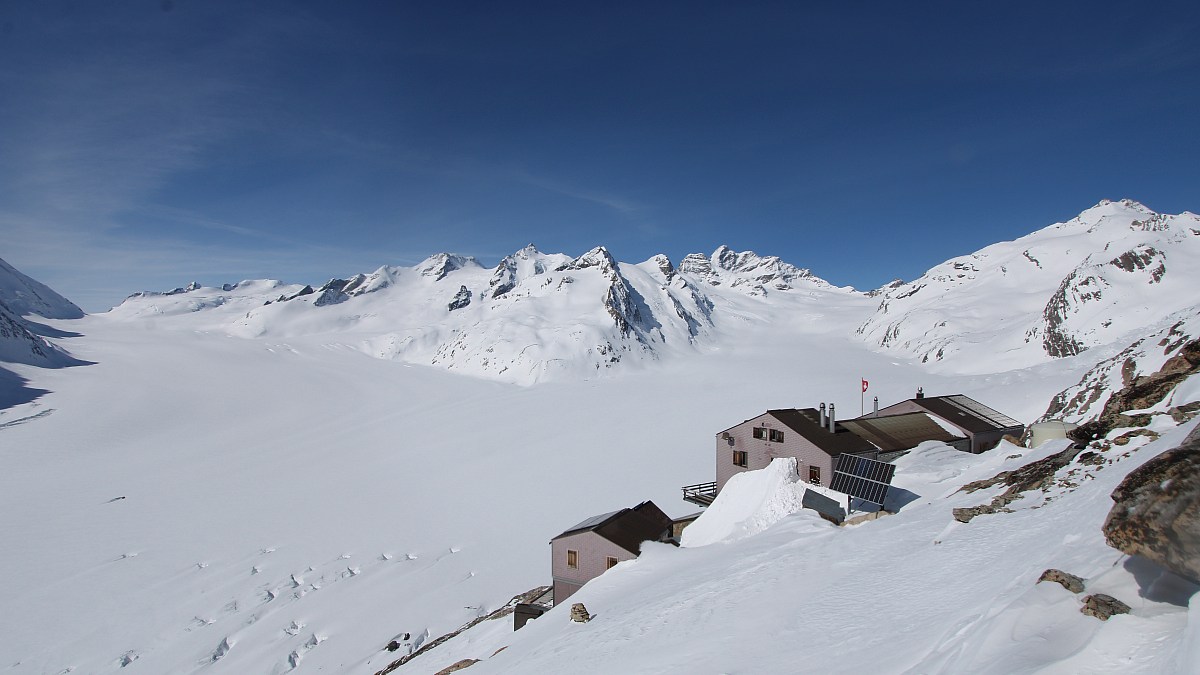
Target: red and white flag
864, 386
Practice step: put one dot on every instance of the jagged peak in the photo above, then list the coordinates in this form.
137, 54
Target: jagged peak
439, 265
663, 263
598, 256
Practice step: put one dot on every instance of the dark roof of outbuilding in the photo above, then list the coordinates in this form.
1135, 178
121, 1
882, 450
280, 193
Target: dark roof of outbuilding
806, 422
899, 432
967, 413
627, 528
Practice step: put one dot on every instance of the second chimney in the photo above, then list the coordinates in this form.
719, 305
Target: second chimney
832, 417
822, 414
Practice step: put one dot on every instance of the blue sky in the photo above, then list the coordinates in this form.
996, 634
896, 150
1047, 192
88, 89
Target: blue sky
149, 143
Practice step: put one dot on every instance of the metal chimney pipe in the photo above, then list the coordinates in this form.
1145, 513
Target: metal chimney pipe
876, 412
832, 417
920, 392
822, 414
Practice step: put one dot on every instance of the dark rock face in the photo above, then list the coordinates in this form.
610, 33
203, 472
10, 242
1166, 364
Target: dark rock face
1157, 510
461, 299
1065, 579
1139, 393
1033, 476
1071, 292
1103, 606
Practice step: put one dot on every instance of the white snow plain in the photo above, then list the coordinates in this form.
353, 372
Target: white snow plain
240, 488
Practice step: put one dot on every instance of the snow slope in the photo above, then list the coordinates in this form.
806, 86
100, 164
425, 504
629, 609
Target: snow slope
917, 592
1066, 288
192, 495
24, 295
243, 487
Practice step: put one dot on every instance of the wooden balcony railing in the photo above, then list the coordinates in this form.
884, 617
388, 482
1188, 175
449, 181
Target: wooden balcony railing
701, 494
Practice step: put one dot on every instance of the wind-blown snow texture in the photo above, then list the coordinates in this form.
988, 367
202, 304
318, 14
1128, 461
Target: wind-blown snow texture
243, 487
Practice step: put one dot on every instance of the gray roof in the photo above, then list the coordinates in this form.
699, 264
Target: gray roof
899, 432
627, 528
967, 413
806, 422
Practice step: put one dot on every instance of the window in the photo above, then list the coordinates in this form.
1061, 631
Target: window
573, 559
739, 458
610, 563
765, 434
814, 475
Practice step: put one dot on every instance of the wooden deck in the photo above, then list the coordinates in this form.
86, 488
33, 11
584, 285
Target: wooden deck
701, 494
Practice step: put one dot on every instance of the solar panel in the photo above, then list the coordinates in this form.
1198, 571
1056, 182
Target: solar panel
996, 417
862, 477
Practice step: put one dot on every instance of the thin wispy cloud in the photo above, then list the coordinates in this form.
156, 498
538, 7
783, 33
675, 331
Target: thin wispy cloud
621, 205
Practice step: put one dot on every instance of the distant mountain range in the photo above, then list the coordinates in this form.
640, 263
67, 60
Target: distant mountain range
1105, 277
1095, 280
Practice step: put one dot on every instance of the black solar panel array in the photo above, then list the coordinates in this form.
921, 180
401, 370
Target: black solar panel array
862, 477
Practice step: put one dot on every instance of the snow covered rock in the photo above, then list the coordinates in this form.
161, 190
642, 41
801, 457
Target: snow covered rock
1139, 382
461, 299
1157, 510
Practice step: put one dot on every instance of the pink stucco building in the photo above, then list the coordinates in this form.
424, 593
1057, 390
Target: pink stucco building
590, 548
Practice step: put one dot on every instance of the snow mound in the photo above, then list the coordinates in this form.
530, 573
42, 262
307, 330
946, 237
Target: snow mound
750, 503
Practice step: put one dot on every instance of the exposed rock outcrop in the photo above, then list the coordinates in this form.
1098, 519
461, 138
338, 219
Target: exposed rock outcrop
1037, 475
1157, 510
1140, 392
1065, 579
507, 609
1103, 606
461, 299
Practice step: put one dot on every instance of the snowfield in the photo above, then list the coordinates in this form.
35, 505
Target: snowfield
917, 592
233, 486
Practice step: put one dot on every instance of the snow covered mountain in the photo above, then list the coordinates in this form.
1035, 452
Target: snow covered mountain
255, 478
1066, 288
533, 317
23, 295
20, 341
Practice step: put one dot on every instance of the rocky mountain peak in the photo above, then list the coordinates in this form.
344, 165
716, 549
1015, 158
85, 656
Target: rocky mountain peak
439, 265
597, 257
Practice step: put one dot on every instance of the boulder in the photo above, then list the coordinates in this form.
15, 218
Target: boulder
1156, 513
1065, 579
1103, 606
579, 613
